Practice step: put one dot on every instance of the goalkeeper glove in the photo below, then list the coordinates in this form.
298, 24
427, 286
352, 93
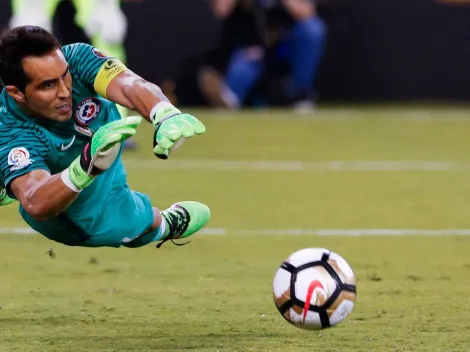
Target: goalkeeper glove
172, 127
4, 199
99, 154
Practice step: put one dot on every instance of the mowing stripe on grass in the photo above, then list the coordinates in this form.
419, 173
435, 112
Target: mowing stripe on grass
298, 166
297, 232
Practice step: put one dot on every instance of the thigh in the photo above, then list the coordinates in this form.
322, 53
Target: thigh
60, 229
127, 215
245, 62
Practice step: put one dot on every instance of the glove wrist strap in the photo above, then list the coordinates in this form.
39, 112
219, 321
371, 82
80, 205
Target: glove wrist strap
77, 176
65, 176
163, 110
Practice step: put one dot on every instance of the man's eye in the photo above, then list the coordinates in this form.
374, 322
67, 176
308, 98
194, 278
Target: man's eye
49, 85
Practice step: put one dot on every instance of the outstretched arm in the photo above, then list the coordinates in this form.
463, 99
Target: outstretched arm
135, 93
42, 195
45, 196
172, 126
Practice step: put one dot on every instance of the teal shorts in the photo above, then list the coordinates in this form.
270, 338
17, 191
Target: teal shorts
124, 216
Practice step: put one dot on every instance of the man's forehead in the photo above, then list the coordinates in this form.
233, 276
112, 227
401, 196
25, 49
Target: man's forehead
49, 66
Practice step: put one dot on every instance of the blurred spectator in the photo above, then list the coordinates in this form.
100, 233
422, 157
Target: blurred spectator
100, 23
269, 53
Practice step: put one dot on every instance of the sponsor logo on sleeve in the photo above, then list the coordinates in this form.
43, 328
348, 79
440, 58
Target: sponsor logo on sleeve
18, 158
99, 53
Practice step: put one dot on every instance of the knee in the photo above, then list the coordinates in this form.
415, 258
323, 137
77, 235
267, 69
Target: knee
312, 30
248, 58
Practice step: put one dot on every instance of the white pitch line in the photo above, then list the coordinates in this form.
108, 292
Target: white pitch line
297, 166
299, 232
356, 232
352, 114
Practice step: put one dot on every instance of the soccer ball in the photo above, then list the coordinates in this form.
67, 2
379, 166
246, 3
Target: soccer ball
314, 288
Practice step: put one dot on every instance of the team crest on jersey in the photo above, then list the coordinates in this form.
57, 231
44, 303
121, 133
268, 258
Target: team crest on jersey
18, 158
99, 53
83, 130
87, 111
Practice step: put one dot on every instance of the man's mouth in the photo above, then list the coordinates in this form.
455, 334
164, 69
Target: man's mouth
65, 108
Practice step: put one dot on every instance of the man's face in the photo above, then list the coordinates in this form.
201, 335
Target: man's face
49, 91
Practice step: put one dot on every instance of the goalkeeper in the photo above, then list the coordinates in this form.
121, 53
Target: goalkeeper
61, 139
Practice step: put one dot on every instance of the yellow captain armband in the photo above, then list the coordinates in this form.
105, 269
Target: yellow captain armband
110, 69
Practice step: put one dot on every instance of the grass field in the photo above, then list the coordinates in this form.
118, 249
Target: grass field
276, 182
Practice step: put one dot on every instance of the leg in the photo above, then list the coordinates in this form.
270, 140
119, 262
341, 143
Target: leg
59, 229
243, 71
128, 220
181, 220
153, 234
307, 41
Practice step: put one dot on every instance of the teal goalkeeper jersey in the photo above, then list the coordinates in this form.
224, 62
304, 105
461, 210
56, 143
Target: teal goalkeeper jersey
28, 144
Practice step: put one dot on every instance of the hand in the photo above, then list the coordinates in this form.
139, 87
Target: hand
300, 9
4, 199
172, 128
32, 13
102, 151
223, 8
108, 21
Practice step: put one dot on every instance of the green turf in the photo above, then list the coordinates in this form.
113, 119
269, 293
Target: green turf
215, 294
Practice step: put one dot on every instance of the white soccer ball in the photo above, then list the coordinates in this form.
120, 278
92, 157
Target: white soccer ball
314, 288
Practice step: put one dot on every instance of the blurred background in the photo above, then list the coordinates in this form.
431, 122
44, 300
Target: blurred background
332, 123
274, 52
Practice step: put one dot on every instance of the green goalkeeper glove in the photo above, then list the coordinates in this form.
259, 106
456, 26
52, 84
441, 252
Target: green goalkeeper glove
4, 199
99, 154
172, 127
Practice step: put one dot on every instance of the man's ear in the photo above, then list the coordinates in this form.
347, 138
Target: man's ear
16, 94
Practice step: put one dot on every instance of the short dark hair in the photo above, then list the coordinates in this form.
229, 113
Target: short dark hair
19, 43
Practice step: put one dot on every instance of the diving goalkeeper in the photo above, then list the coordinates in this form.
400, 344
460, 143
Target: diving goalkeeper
61, 139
